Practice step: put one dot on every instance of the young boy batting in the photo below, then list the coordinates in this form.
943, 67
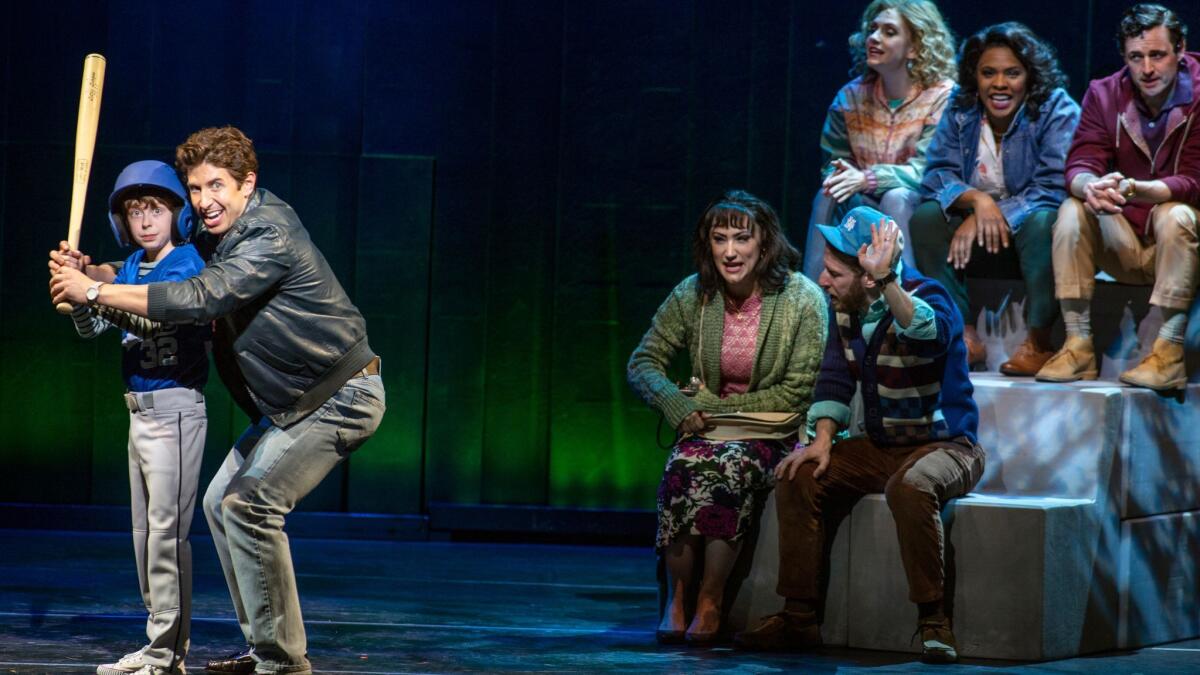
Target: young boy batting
165, 367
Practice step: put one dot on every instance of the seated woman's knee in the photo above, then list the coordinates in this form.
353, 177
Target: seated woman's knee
927, 219
899, 201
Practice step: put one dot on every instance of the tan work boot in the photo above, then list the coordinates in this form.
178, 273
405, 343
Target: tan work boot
1033, 353
1075, 361
976, 350
937, 641
1161, 370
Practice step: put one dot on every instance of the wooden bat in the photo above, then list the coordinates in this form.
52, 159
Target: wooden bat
90, 91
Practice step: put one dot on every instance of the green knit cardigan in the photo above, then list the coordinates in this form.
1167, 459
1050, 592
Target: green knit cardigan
791, 342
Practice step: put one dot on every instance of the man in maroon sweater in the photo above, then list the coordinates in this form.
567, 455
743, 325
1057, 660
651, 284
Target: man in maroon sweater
1134, 175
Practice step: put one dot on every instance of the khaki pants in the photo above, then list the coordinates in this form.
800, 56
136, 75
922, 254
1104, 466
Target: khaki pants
917, 482
1167, 259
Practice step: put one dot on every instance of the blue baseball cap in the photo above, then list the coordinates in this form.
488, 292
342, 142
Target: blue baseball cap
855, 230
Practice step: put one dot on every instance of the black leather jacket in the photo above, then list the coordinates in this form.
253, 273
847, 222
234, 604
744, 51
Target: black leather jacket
296, 336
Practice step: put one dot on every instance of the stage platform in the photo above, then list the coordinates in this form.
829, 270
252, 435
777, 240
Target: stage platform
1082, 536
68, 601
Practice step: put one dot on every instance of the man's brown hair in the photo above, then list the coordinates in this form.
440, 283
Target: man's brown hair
850, 261
1141, 18
223, 147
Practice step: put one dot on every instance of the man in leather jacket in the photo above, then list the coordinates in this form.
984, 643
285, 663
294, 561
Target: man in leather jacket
301, 348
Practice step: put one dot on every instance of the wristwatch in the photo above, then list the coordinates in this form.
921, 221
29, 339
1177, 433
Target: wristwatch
886, 280
1130, 188
93, 293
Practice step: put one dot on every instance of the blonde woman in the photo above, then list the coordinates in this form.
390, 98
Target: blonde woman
880, 124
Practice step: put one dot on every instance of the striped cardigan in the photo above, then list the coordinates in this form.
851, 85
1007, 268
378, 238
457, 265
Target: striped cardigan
914, 391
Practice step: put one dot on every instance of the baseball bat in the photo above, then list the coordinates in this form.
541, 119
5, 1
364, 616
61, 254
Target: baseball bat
90, 91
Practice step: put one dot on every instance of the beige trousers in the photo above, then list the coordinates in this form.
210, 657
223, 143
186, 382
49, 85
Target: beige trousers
1167, 258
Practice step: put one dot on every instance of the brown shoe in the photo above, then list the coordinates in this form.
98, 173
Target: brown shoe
1075, 361
1161, 370
784, 631
937, 641
1029, 358
241, 663
976, 350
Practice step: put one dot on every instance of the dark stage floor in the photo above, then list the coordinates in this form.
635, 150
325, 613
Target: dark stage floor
68, 601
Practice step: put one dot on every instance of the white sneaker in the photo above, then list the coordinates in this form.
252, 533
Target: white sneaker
148, 669
130, 663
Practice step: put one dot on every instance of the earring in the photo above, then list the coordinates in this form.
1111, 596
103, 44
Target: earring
909, 65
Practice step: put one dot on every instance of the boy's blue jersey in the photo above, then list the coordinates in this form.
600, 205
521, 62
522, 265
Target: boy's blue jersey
178, 355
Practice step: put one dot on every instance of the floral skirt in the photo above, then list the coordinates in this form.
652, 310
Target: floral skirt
709, 487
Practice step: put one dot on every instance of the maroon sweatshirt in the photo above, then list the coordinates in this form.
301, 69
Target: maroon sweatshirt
1109, 138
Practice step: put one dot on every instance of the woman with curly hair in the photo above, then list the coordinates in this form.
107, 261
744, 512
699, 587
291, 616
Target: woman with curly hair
879, 124
755, 333
995, 176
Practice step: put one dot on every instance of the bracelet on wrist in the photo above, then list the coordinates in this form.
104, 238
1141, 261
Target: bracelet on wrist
891, 276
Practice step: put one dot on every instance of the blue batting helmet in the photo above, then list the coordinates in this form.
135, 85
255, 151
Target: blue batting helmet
148, 173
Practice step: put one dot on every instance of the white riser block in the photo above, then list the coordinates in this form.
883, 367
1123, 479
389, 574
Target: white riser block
1024, 579
1160, 453
1160, 579
1044, 440
1088, 440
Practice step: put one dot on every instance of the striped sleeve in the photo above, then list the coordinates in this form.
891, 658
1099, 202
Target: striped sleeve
130, 323
87, 324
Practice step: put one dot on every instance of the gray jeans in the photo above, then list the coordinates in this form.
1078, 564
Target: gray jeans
266, 473
897, 203
166, 443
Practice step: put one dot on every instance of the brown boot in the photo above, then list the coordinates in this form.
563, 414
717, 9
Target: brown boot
1033, 353
1161, 370
784, 631
937, 641
976, 350
1075, 361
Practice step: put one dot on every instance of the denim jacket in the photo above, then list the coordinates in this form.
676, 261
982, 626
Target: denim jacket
1034, 153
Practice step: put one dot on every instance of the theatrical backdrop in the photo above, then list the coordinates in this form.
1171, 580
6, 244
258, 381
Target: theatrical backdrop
505, 188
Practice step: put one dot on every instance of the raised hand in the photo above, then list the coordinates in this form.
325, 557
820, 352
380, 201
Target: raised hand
877, 258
